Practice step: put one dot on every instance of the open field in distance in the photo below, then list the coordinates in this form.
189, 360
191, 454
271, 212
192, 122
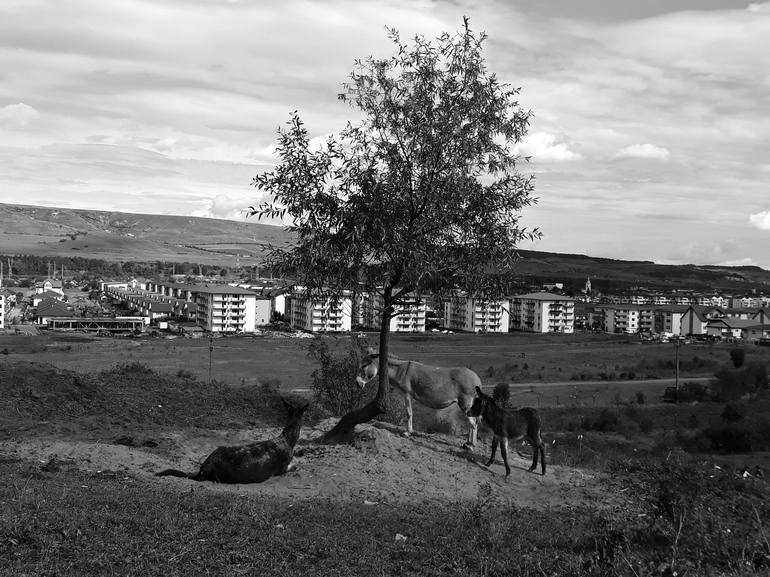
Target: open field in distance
586, 369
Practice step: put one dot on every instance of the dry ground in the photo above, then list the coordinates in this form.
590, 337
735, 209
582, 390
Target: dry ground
382, 467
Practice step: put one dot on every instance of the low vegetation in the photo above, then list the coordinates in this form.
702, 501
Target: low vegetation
697, 502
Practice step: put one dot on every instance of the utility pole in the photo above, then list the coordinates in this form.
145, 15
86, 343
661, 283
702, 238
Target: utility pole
676, 381
211, 354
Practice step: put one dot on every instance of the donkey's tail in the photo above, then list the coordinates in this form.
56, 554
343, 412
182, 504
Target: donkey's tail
176, 473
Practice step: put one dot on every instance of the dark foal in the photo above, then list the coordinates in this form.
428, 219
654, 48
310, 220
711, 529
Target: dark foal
509, 426
252, 463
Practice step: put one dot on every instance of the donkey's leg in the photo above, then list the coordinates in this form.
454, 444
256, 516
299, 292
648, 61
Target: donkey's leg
465, 402
473, 427
504, 452
408, 401
494, 449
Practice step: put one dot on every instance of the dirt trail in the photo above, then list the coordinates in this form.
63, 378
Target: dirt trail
380, 467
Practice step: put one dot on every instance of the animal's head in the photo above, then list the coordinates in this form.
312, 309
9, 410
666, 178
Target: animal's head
368, 368
295, 410
480, 401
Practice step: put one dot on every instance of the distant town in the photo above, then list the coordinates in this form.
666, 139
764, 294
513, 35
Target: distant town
211, 306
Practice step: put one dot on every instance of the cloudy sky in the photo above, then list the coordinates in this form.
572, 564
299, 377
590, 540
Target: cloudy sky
651, 135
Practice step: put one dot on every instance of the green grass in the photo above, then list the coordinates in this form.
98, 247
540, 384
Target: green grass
67, 522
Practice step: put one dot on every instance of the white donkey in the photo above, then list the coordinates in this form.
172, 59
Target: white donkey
434, 387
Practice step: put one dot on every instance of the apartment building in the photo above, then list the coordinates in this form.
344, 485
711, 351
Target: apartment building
226, 309
410, 314
319, 313
668, 319
713, 301
749, 302
542, 313
477, 314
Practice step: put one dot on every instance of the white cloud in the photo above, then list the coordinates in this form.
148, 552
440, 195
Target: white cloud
545, 147
761, 220
18, 115
227, 207
739, 262
643, 151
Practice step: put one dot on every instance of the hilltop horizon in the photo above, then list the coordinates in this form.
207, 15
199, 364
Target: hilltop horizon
126, 236
279, 227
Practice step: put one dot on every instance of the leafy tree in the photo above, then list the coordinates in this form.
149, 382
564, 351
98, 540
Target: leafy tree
422, 194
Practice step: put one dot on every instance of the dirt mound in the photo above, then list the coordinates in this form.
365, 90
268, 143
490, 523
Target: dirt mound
381, 467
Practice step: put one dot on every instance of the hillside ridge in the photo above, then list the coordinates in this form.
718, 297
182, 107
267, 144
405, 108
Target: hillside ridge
123, 236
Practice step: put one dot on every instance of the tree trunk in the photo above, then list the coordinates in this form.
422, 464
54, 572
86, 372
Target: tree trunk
343, 430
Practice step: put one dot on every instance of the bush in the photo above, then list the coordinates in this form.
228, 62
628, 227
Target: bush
733, 437
694, 391
737, 356
334, 381
732, 383
732, 413
607, 421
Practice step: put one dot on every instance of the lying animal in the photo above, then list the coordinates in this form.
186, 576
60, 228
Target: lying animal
252, 463
509, 426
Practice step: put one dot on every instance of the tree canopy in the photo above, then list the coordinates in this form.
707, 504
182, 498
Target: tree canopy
423, 193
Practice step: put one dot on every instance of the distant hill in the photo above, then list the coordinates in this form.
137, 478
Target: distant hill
613, 275
119, 236
47, 231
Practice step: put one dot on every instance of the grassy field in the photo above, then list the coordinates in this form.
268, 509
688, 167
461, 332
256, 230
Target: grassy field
670, 507
590, 369
71, 523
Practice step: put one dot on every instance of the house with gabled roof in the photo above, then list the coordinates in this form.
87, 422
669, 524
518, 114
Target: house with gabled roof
49, 285
758, 334
729, 328
50, 308
696, 318
47, 295
761, 316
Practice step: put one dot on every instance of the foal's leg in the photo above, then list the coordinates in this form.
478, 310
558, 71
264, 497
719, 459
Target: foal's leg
541, 448
494, 449
504, 452
535, 452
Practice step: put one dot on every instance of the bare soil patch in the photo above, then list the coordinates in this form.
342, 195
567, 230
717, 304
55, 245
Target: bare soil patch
381, 467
